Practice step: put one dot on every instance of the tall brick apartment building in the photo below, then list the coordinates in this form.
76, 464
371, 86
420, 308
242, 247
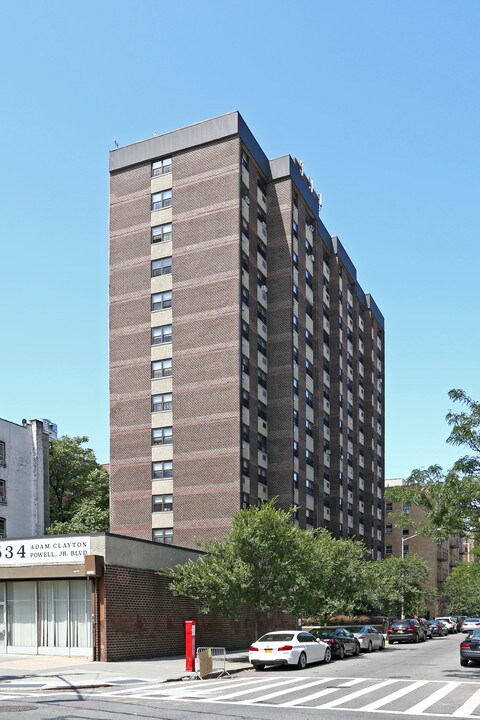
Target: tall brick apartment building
246, 362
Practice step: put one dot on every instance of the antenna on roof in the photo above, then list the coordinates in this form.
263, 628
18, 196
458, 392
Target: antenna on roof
115, 142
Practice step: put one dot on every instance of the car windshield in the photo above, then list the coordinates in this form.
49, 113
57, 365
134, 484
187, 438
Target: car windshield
276, 637
401, 623
355, 629
475, 634
324, 633
472, 620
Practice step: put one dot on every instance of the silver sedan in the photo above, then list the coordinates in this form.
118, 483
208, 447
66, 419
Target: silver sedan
369, 638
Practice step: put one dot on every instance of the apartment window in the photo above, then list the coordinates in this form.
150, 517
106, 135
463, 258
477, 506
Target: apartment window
245, 160
405, 531
262, 379
309, 398
262, 410
3, 457
309, 457
161, 167
389, 528
295, 480
161, 200
161, 402
309, 517
261, 279
262, 249
308, 248
388, 507
406, 549
309, 338
161, 334
245, 399
245, 330
162, 233
162, 368
295, 291
295, 228
3, 497
309, 279
262, 186
3, 527
309, 487
309, 309
162, 300
162, 469
309, 368
262, 346
309, 428
262, 475
162, 503
295, 323
162, 436
245, 263
295, 448
405, 507
163, 535
245, 467
245, 500
245, 433
245, 296
163, 266
295, 386
295, 260
262, 443
245, 365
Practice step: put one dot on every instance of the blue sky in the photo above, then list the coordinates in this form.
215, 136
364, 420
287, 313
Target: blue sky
378, 98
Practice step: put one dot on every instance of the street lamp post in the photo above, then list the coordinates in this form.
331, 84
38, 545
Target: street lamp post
404, 539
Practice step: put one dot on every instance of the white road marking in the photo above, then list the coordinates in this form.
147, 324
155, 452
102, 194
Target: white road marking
466, 710
432, 699
354, 695
393, 696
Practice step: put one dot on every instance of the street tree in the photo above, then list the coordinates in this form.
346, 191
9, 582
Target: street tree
397, 583
462, 588
450, 499
79, 488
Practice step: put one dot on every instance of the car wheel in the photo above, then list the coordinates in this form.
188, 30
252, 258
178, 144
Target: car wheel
369, 648
416, 638
382, 645
357, 649
328, 655
341, 652
259, 667
302, 661
464, 662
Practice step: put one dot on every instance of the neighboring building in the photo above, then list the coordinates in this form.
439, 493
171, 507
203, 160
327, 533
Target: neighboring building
246, 362
103, 596
441, 558
24, 497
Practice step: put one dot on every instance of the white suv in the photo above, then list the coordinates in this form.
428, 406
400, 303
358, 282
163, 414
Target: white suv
450, 623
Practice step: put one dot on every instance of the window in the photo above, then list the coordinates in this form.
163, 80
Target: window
406, 507
245, 467
262, 475
388, 549
245, 500
262, 379
309, 398
388, 507
3, 457
309, 517
162, 300
161, 334
295, 260
295, 323
309, 279
3, 498
309, 338
309, 487
245, 398
262, 410
309, 368
161, 200
163, 469
245, 433
295, 448
162, 436
161, 167
295, 386
245, 296
245, 330
162, 233
295, 480
161, 368
295, 418
405, 531
163, 266
162, 402
309, 428
163, 535
262, 346
389, 528
309, 459
262, 443
245, 365
406, 550
3, 527
245, 160
162, 503
295, 291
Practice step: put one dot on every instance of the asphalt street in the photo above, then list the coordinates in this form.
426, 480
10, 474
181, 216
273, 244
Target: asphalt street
414, 681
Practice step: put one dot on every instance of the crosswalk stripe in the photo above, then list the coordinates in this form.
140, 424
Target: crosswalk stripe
321, 693
393, 696
288, 690
466, 710
354, 695
432, 699
255, 689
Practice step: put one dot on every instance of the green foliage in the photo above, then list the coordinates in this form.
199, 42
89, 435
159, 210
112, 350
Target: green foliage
451, 500
267, 563
462, 588
394, 580
79, 488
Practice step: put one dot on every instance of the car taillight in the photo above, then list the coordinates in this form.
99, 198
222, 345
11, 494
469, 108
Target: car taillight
285, 647
390, 629
410, 627
253, 648
329, 641
465, 645
361, 637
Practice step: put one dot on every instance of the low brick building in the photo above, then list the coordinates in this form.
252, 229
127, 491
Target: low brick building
102, 596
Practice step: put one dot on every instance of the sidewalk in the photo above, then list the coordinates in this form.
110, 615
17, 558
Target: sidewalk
47, 672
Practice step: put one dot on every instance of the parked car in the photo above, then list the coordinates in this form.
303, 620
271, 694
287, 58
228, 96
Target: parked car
470, 624
470, 648
449, 622
285, 647
408, 630
426, 626
341, 641
369, 638
439, 628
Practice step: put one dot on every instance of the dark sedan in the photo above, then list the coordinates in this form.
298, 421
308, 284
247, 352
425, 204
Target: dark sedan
340, 640
470, 649
408, 630
439, 629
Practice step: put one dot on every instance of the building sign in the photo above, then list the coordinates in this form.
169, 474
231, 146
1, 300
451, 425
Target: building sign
44, 550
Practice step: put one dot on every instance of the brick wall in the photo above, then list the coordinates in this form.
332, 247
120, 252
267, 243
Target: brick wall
143, 619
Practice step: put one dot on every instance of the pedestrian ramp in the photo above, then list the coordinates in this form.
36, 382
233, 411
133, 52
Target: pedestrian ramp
450, 699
